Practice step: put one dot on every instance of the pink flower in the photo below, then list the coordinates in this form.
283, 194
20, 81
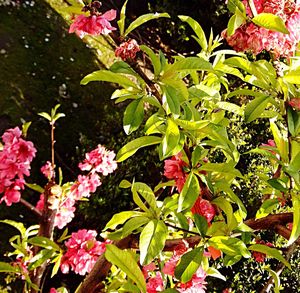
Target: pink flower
155, 284
15, 159
146, 269
99, 160
170, 265
196, 284
83, 251
93, 25
127, 50
85, 185
53, 290
174, 169
204, 208
40, 203
295, 103
47, 170
64, 213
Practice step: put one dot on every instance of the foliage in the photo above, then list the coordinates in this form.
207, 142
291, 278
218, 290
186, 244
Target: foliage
197, 219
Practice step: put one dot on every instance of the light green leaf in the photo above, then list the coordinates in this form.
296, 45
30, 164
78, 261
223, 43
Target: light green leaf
133, 116
271, 22
121, 21
35, 187
230, 107
230, 246
43, 242
7, 268
296, 219
230, 260
266, 208
40, 258
293, 76
269, 251
132, 147
105, 75
191, 125
125, 184
142, 19
189, 193
120, 218
154, 59
146, 192
201, 224
126, 262
212, 272
188, 264
45, 115
197, 29
171, 139
56, 261
133, 224
152, 241
235, 22
255, 108
171, 100
16, 225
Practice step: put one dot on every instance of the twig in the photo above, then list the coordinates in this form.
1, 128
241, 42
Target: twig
30, 207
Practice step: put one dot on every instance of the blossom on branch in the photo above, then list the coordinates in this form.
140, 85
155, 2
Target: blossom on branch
127, 50
82, 253
96, 24
47, 170
196, 284
204, 208
15, 159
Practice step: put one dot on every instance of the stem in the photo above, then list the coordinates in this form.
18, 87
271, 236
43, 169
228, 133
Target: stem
181, 229
252, 7
30, 207
52, 147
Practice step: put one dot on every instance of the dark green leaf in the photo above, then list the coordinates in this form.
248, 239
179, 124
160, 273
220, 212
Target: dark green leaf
201, 224
133, 116
255, 108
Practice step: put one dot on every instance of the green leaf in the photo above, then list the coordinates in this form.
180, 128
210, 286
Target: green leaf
230, 260
293, 121
171, 139
235, 22
170, 290
188, 264
266, 208
255, 108
56, 261
154, 59
293, 76
276, 279
146, 192
35, 187
230, 107
152, 241
132, 147
7, 268
45, 115
271, 22
187, 64
142, 19
269, 251
277, 184
296, 219
105, 75
125, 261
120, 218
121, 21
191, 125
133, 116
225, 169
212, 272
16, 225
201, 224
40, 258
125, 184
230, 246
133, 224
189, 193
43, 242
171, 100
197, 29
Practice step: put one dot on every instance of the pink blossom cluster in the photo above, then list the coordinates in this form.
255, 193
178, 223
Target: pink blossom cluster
174, 169
98, 161
295, 103
252, 38
127, 50
96, 24
15, 158
82, 253
154, 280
48, 170
204, 208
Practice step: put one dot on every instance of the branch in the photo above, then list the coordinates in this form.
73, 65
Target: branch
30, 207
100, 270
